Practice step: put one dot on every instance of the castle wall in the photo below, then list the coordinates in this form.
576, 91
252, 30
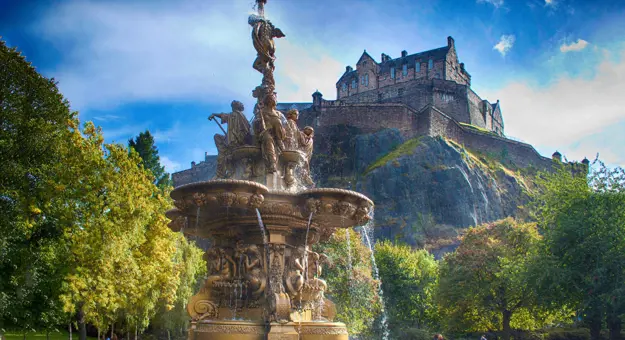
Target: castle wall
476, 114
368, 118
521, 154
202, 171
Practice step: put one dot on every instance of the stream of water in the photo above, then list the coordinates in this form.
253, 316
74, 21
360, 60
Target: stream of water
366, 230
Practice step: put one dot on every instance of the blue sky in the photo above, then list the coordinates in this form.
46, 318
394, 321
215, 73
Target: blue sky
558, 66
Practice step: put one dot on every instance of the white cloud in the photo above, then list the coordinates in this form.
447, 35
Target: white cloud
505, 44
579, 45
570, 113
106, 117
170, 166
496, 3
120, 52
550, 3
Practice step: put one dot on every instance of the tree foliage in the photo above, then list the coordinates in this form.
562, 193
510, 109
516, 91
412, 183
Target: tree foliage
144, 145
409, 278
82, 230
583, 255
33, 130
484, 284
352, 287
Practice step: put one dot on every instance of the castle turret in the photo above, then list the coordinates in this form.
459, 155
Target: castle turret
317, 98
557, 156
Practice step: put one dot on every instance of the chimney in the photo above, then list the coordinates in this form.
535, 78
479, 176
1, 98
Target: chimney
450, 42
404, 53
192, 164
462, 66
348, 69
557, 156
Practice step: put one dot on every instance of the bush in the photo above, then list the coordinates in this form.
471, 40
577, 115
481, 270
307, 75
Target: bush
567, 334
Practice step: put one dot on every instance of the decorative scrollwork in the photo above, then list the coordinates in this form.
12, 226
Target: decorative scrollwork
256, 201
344, 209
227, 199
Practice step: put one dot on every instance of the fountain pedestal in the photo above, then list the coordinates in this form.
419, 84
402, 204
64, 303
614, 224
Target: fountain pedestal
264, 282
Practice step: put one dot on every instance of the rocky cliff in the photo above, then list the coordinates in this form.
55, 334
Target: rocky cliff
426, 189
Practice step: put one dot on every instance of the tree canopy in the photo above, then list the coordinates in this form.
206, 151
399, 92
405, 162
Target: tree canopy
583, 253
144, 145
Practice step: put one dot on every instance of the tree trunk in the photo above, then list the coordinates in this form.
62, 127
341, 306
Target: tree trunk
70, 331
506, 316
595, 329
82, 327
112, 330
47, 334
615, 326
168, 335
98, 333
136, 332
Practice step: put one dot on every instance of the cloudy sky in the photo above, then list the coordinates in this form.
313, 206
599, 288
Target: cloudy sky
558, 66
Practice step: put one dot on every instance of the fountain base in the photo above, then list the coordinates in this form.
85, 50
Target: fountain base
247, 330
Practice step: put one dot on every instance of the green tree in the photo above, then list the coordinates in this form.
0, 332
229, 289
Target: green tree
33, 131
144, 145
583, 255
408, 280
173, 318
484, 284
352, 287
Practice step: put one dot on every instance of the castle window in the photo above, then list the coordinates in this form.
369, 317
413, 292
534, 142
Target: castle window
392, 73
354, 83
344, 87
417, 67
404, 70
362, 80
379, 97
367, 79
400, 92
430, 64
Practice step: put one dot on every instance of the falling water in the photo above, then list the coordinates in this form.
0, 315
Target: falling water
262, 228
306, 247
366, 229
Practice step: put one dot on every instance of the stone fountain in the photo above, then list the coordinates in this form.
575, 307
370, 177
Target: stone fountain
263, 214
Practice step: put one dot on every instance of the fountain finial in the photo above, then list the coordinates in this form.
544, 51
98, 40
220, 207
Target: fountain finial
260, 5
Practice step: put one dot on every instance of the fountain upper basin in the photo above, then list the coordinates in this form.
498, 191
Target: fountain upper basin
210, 207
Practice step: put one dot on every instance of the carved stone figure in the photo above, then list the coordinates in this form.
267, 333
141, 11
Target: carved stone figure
306, 146
263, 32
296, 270
269, 130
315, 262
292, 133
254, 274
238, 134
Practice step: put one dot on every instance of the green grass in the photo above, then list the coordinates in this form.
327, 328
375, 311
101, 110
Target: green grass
62, 335
483, 130
404, 149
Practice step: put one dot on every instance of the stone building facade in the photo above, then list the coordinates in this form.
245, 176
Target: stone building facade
432, 77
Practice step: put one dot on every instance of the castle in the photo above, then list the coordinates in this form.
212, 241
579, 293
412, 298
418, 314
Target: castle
422, 94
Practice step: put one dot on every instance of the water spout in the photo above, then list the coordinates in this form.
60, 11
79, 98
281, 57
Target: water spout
368, 228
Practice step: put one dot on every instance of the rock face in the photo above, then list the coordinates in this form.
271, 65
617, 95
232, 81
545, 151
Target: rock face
425, 189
